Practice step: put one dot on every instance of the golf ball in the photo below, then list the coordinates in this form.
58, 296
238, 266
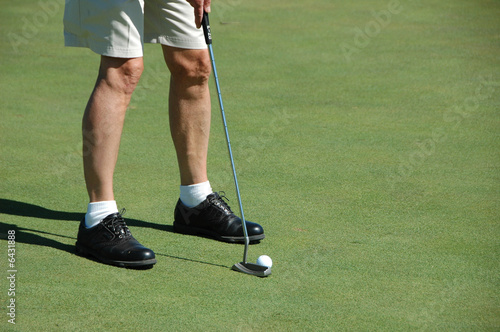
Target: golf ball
265, 260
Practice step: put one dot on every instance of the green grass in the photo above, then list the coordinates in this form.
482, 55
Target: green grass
376, 177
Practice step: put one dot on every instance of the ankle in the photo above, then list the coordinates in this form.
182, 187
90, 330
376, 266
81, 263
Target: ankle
97, 211
193, 195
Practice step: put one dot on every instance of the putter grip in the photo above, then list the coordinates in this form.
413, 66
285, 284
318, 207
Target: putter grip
206, 28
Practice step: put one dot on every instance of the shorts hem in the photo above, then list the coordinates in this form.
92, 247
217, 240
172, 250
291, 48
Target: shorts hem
71, 40
176, 42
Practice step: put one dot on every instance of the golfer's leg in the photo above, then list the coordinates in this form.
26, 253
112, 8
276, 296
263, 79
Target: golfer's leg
189, 110
190, 126
103, 123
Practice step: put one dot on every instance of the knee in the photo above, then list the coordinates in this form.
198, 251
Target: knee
122, 74
191, 70
131, 71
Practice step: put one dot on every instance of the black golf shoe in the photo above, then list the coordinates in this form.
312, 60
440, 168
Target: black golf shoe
213, 218
111, 242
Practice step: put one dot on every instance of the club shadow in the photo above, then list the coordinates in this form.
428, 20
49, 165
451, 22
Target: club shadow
35, 237
192, 260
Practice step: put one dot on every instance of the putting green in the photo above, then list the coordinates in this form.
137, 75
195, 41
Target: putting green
365, 136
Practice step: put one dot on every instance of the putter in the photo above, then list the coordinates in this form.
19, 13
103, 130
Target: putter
245, 267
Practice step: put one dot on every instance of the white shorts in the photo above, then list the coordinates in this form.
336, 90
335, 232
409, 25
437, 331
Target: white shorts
119, 28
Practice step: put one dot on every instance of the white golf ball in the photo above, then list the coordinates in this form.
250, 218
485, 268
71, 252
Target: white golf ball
265, 260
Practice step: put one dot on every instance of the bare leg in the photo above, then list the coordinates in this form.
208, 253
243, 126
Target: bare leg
189, 110
190, 125
102, 128
103, 123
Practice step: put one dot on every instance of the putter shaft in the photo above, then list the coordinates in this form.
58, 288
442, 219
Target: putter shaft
208, 39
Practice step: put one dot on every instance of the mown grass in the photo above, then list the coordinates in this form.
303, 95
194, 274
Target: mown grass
375, 175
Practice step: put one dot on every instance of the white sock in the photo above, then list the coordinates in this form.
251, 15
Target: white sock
194, 194
97, 211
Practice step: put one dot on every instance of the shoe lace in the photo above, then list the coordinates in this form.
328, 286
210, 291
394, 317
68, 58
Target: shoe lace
220, 200
117, 225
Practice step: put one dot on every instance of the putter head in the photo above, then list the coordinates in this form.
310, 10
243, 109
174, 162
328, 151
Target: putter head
252, 269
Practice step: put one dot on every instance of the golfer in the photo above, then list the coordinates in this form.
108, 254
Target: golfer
116, 30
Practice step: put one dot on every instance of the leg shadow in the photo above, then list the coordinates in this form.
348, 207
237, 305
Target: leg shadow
32, 236
22, 209
25, 235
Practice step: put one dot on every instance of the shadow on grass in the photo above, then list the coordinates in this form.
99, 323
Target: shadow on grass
36, 237
25, 235
33, 236
192, 260
21, 209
